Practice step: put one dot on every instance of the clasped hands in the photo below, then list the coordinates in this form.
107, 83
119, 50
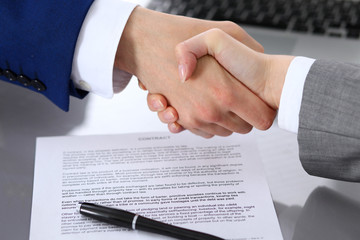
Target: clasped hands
262, 74
215, 83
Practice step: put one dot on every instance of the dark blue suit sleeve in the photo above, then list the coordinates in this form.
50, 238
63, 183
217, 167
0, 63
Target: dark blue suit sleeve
37, 43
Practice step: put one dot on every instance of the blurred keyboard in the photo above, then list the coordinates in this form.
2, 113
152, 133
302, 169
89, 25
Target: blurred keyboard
335, 18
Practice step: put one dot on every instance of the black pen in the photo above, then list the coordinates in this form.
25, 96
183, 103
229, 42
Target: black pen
136, 222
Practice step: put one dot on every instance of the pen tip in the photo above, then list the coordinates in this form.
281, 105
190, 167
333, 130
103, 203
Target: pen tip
78, 205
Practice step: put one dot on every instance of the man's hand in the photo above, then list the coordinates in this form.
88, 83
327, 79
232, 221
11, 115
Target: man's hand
261, 73
214, 103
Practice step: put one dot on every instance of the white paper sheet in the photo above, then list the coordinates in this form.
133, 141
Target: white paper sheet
214, 185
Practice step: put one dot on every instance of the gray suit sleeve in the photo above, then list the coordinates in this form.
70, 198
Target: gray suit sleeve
329, 121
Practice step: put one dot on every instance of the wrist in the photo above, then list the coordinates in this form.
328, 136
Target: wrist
147, 35
125, 57
277, 67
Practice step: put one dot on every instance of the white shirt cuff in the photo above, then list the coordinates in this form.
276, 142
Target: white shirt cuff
93, 63
291, 96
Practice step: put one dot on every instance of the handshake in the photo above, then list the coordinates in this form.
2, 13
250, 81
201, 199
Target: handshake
224, 86
211, 78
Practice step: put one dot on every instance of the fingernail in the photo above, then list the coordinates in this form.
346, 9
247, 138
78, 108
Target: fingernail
182, 72
157, 104
169, 116
142, 86
173, 128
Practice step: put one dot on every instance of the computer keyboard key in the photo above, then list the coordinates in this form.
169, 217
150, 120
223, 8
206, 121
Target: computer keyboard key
353, 33
335, 34
335, 24
319, 30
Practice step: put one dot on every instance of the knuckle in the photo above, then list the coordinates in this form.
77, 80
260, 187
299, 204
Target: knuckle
261, 48
210, 115
195, 124
231, 26
233, 29
216, 33
223, 95
227, 99
189, 122
208, 136
207, 112
266, 120
180, 47
175, 127
265, 124
241, 35
161, 117
226, 134
246, 129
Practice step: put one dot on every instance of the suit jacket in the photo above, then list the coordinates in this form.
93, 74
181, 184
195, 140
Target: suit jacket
37, 43
329, 127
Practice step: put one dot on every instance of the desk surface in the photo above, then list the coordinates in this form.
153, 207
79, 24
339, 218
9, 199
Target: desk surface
308, 207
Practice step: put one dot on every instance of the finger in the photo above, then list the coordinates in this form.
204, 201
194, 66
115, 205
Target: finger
209, 128
188, 52
213, 42
251, 108
201, 133
234, 123
215, 130
141, 85
169, 115
175, 127
156, 102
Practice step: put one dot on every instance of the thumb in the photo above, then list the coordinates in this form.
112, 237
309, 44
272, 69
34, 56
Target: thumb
189, 51
235, 57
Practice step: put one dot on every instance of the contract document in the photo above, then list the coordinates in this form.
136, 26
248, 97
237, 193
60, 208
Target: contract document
216, 186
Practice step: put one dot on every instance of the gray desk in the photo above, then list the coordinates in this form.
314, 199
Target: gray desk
308, 207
